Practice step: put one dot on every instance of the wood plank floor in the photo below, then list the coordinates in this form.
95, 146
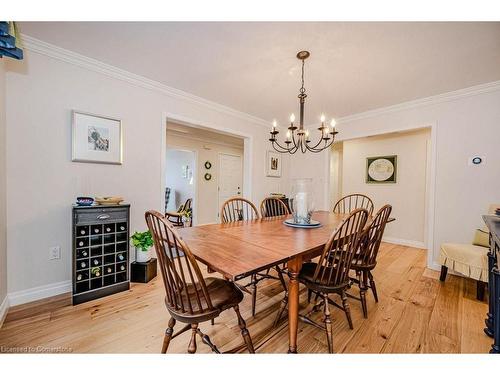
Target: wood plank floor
416, 314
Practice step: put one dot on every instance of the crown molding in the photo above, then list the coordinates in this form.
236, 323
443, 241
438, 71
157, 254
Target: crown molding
423, 102
62, 54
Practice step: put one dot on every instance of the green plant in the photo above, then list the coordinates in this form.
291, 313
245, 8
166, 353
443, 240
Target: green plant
142, 240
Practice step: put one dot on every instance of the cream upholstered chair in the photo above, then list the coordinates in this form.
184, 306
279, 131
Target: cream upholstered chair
469, 260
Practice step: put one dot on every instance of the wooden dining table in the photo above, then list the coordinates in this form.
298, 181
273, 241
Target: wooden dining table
239, 249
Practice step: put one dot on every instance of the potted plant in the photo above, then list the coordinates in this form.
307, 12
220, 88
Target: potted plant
142, 241
186, 216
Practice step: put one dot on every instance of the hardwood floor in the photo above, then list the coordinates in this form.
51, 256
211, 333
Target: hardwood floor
416, 314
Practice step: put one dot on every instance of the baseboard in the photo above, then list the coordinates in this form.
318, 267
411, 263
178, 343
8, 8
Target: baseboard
4, 308
39, 292
410, 243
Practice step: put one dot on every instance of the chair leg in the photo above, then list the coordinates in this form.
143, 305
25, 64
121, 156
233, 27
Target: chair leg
192, 343
168, 335
282, 309
206, 341
244, 331
363, 282
212, 321
373, 287
309, 295
347, 309
444, 272
481, 286
254, 293
282, 279
328, 324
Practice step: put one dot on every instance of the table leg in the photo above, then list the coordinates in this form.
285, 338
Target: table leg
294, 266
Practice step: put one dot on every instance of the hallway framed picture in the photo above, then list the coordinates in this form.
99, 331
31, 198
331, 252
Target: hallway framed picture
381, 169
273, 164
96, 139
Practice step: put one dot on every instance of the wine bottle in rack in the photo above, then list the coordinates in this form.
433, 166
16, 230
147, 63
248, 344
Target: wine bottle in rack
121, 257
83, 264
81, 243
109, 270
79, 277
82, 232
96, 262
122, 267
122, 227
84, 253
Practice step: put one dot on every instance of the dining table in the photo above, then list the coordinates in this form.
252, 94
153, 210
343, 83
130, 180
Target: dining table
239, 249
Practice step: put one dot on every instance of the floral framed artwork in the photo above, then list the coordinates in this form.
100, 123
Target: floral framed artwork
381, 169
96, 139
273, 164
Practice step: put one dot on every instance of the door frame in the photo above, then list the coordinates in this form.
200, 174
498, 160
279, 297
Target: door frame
195, 179
248, 151
219, 154
430, 193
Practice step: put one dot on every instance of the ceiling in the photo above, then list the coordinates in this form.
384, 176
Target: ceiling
251, 67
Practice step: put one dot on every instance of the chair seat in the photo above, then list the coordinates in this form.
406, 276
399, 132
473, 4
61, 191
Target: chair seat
224, 295
468, 260
306, 276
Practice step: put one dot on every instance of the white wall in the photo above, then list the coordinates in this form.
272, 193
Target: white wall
181, 184
3, 211
42, 182
407, 195
206, 208
466, 124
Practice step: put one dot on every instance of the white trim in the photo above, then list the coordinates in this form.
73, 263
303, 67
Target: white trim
4, 308
400, 241
422, 102
39, 292
207, 140
62, 54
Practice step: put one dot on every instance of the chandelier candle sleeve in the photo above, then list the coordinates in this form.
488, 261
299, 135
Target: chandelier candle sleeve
296, 137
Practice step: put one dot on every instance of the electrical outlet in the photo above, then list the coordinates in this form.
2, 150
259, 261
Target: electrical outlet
55, 252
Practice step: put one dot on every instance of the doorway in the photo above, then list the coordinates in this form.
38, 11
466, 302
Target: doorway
207, 145
180, 178
230, 177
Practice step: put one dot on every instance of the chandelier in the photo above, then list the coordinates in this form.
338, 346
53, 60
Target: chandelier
296, 137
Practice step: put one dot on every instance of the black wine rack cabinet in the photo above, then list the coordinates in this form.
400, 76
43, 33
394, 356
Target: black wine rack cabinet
100, 251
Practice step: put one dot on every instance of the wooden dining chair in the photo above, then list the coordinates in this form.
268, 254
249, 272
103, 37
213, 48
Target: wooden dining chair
190, 298
352, 201
331, 274
176, 218
365, 259
238, 209
271, 207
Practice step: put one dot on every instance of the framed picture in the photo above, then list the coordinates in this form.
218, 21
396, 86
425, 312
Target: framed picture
96, 139
273, 164
381, 169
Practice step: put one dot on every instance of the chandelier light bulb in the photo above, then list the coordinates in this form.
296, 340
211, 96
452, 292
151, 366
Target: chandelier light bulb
288, 134
292, 117
307, 134
322, 118
275, 124
333, 123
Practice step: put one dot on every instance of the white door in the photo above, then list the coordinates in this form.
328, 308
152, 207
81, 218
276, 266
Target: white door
230, 177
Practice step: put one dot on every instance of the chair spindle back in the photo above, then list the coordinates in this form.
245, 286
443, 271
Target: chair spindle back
335, 262
369, 242
271, 207
186, 291
238, 209
352, 201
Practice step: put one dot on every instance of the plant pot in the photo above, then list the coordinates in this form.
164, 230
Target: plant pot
142, 256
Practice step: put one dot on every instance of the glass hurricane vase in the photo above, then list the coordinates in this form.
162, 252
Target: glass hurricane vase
302, 198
